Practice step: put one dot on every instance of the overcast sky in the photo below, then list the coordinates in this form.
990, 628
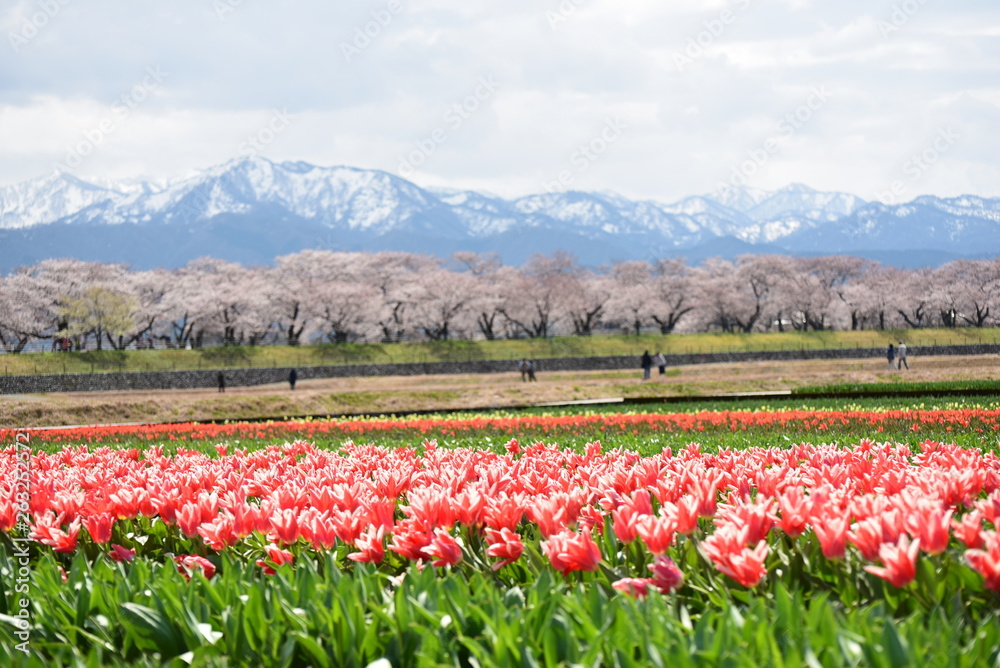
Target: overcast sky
668, 98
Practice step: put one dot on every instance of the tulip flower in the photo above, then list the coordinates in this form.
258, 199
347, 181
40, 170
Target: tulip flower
667, 577
504, 544
634, 587
187, 563
569, 551
99, 527
444, 549
987, 562
899, 562
119, 553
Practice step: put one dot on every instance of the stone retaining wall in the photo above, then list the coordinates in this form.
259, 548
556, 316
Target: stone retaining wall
159, 380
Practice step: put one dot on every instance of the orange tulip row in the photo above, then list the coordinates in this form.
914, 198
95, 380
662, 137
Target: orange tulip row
820, 420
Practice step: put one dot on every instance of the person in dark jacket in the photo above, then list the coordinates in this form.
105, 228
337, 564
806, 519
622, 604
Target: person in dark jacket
890, 355
292, 377
222, 382
647, 365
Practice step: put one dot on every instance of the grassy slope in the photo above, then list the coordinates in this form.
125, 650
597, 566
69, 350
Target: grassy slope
267, 356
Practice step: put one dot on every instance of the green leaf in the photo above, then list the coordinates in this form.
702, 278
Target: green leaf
895, 646
151, 630
311, 647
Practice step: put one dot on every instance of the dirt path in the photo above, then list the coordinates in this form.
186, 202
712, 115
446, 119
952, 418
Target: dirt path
408, 393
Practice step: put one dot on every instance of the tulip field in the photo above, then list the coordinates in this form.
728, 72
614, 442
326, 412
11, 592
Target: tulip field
788, 536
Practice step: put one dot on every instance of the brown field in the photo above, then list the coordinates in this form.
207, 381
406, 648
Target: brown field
452, 392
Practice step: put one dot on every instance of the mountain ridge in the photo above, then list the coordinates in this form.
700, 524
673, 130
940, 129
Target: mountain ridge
350, 208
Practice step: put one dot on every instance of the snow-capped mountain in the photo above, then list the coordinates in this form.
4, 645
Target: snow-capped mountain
252, 210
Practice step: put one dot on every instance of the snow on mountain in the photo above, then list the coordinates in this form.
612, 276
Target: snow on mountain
805, 202
48, 199
263, 207
740, 199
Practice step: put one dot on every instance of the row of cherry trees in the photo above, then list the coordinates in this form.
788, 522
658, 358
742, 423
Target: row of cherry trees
328, 296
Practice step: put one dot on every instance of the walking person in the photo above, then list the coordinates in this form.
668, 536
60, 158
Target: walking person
222, 382
522, 366
890, 355
292, 377
661, 363
531, 370
901, 356
647, 365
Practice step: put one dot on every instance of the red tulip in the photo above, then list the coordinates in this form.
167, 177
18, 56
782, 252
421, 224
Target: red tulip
657, 532
634, 587
900, 562
187, 563
119, 553
410, 540
794, 507
667, 577
504, 544
275, 557
987, 562
930, 524
285, 526
189, 519
867, 537
746, 566
370, 547
831, 530
444, 549
99, 527
970, 529
569, 551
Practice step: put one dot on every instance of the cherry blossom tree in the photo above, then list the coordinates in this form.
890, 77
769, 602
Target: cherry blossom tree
832, 274
66, 280
737, 296
487, 298
222, 299
27, 310
874, 298
914, 296
100, 311
294, 286
975, 285
673, 293
536, 295
395, 296
587, 297
390, 273
633, 292
346, 305
440, 297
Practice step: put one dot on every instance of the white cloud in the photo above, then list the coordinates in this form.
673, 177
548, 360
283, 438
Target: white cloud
559, 82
